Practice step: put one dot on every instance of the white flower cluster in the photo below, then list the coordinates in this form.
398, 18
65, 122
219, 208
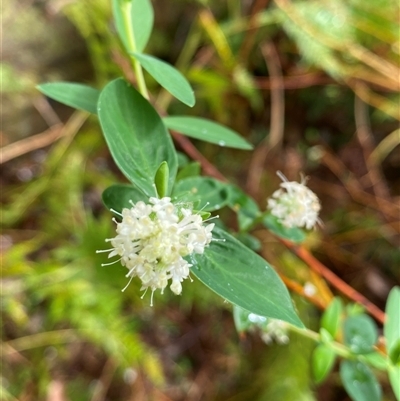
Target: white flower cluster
276, 330
294, 204
152, 240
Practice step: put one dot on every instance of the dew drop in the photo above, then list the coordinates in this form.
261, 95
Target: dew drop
221, 143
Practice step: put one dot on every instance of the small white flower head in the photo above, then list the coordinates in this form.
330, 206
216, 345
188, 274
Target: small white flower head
152, 240
275, 330
294, 204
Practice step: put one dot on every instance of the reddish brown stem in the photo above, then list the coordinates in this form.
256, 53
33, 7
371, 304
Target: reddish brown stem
191, 151
338, 283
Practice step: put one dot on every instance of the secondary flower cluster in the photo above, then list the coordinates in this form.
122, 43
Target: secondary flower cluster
152, 240
294, 204
276, 330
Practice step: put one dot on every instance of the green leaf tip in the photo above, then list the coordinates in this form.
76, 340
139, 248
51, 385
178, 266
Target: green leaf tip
161, 180
168, 77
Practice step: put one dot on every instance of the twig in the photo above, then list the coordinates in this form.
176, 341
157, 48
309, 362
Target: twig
32, 143
42, 105
250, 34
191, 150
274, 140
354, 188
277, 95
365, 139
100, 391
296, 81
299, 289
338, 283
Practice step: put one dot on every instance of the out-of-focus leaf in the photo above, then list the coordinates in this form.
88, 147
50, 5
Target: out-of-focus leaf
359, 381
330, 320
391, 327
246, 208
293, 234
142, 16
79, 96
207, 193
323, 359
117, 196
190, 170
360, 333
394, 377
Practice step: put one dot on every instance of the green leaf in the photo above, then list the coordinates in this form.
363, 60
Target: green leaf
294, 234
394, 378
391, 328
161, 180
243, 278
117, 196
117, 8
208, 131
168, 77
78, 96
207, 193
330, 320
377, 360
142, 15
360, 333
136, 136
190, 170
246, 208
394, 353
359, 381
323, 359
139, 14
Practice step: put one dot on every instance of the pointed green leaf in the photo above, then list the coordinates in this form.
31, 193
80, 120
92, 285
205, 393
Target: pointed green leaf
359, 381
294, 234
78, 96
391, 328
208, 131
161, 180
142, 15
394, 353
243, 278
168, 77
208, 194
323, 359
360, 333
330, 320
136, 136
117, 196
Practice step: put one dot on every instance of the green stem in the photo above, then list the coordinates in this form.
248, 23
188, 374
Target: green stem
339, 349
126, 12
